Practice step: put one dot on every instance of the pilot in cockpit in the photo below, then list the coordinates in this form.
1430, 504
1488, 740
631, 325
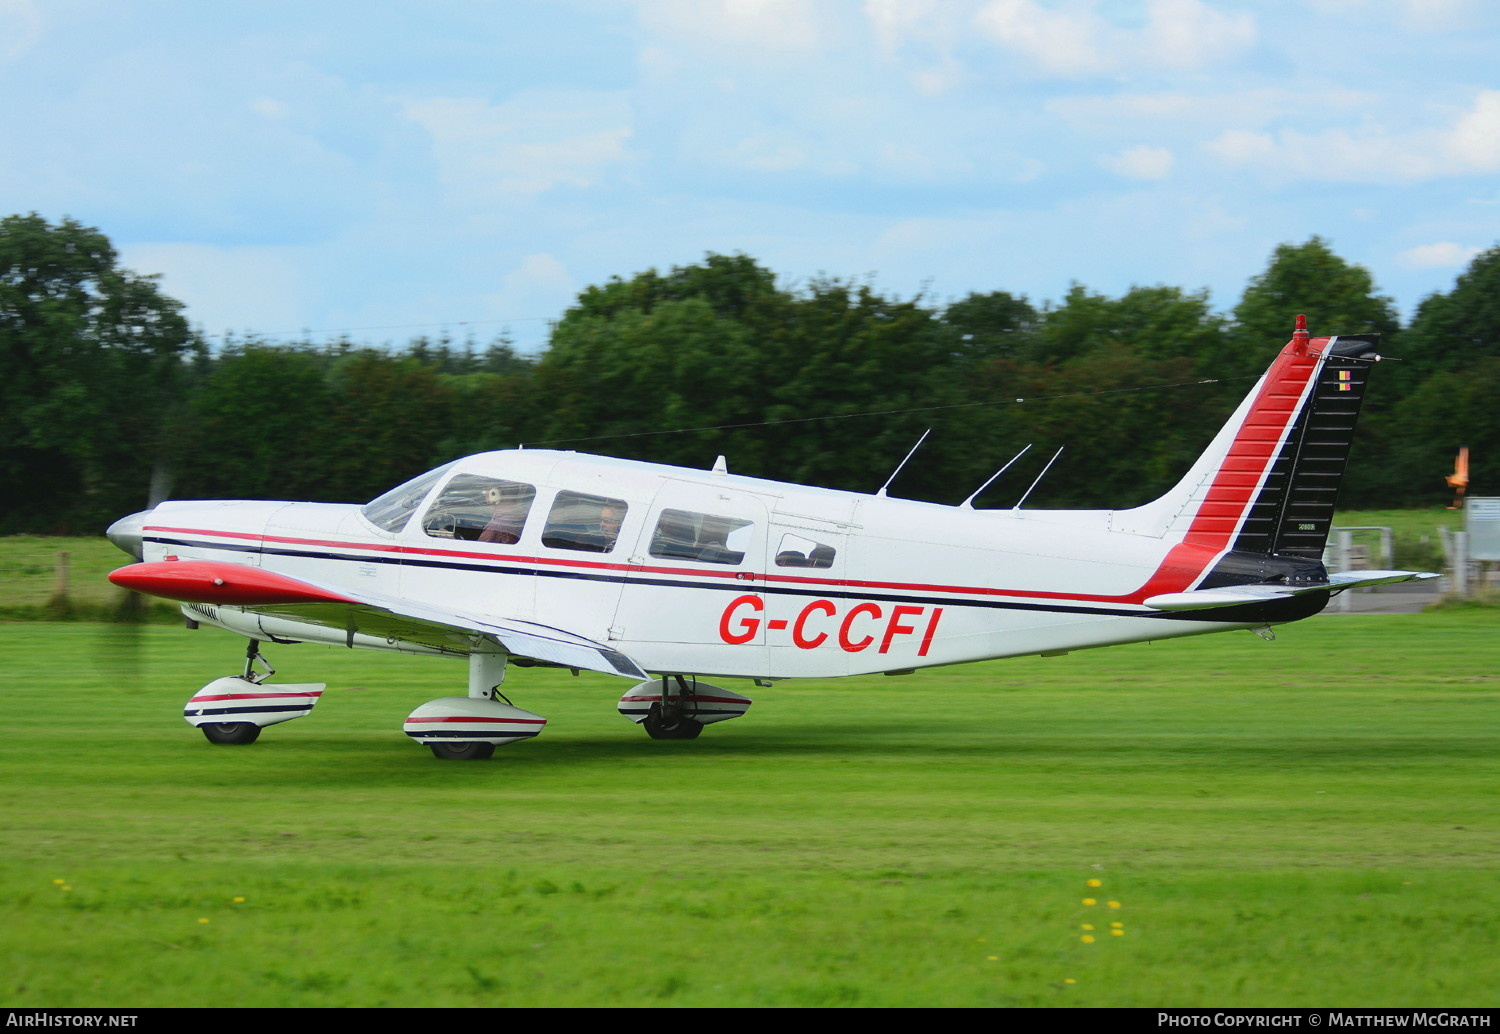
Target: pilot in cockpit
508, 517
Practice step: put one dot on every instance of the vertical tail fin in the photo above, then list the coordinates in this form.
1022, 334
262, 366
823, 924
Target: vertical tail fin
1268, 481
1292, 513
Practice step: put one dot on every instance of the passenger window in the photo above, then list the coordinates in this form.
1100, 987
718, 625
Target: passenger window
796, 551
684, 535
480, 509
587, 522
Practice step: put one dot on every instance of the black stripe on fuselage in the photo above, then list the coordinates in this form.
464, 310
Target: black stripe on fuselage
1268, 612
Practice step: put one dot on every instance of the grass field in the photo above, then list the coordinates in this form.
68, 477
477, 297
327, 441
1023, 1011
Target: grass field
1310, 822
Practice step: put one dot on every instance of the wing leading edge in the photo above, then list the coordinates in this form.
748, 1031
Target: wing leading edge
265, 592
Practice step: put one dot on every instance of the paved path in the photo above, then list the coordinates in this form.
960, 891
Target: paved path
1401, 598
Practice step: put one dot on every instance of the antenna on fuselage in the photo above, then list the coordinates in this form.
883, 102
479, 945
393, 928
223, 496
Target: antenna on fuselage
1039, 477
968, 504
914, 448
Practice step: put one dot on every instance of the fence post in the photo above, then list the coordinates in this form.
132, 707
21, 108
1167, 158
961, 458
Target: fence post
1461, 564
1343, 602
59, 603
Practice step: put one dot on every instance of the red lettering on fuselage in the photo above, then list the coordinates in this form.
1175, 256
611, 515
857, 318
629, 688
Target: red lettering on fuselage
820, 623
749, 627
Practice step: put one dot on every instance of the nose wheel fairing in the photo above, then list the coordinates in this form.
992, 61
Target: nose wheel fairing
239, 700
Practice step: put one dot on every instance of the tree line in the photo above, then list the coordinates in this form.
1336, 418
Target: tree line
108, 398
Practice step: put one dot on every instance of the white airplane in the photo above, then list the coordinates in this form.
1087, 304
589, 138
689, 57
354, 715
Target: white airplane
663, 574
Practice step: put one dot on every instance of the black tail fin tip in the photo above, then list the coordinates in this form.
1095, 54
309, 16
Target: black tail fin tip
1293, 513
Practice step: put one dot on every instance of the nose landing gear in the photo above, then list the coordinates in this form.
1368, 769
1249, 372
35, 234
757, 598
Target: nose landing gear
233, 710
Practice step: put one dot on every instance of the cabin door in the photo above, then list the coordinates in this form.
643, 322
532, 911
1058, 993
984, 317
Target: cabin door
691, 597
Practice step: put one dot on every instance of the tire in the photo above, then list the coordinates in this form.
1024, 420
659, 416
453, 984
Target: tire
231, 732
471, 750
682, 729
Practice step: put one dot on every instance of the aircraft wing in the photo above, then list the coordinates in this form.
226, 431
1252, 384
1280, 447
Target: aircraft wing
353, 611
1234, 595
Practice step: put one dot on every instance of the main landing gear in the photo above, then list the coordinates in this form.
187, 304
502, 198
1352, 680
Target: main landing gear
470, 728
678, 707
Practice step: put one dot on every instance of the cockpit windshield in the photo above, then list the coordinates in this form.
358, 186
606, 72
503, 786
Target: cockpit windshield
392, 510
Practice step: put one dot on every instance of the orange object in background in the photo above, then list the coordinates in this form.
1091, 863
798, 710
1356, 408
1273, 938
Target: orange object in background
1459, 479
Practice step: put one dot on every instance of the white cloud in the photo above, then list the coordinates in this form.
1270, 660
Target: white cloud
924, 34
1371, 153
765, 25
1075, 39
768, 152
530, 144
1243, 108
20, 27
1066, 41
1474, 143
1140, 163
1436, 15
1442, 255
256, 287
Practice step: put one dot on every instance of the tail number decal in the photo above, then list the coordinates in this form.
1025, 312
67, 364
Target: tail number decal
820, 623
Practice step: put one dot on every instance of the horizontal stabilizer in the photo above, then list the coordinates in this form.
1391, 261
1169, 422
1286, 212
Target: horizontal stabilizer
1237, 595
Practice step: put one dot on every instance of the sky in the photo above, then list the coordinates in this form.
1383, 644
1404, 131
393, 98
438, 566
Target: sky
393, 169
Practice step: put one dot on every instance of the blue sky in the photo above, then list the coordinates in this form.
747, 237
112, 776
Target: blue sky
387, 169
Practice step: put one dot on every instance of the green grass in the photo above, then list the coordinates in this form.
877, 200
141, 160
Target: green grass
57, 578
1301, 823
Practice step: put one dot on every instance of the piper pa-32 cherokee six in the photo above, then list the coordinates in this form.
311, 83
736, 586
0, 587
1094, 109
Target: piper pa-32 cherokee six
663, 574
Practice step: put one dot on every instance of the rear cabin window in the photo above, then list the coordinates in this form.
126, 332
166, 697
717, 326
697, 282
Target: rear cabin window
480, 509
796, 551
590, 523
708, 539
393, 509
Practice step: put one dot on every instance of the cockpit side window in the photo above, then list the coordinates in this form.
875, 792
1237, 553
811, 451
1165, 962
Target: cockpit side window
796, 551
586, 522
392, 510
685, 535
480, 509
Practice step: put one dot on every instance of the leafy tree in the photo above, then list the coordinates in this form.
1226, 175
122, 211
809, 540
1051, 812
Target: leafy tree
388, 417
779, 379
1451, 331
1307, 279
1441, 396
256, 426
91, 360
995, 325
